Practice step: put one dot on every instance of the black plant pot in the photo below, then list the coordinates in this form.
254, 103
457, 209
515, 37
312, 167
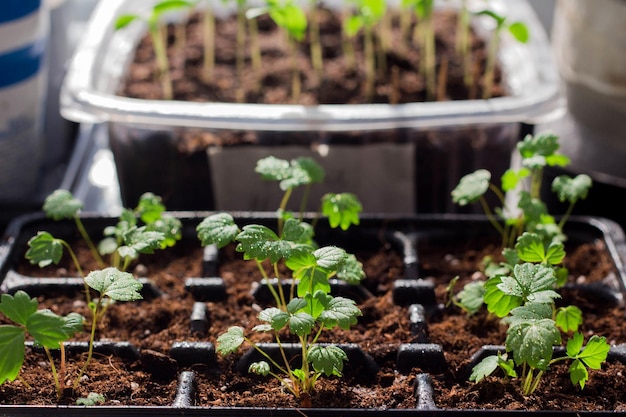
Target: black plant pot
403, 234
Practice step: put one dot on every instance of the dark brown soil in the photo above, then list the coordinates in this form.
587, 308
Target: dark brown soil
154, 323
401, 81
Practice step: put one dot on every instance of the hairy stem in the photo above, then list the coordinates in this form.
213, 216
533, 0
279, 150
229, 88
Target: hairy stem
55, 376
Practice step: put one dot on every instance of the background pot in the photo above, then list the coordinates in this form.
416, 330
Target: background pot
589, 40
420, 148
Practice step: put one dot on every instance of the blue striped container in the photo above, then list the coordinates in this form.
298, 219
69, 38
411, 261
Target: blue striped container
24, 28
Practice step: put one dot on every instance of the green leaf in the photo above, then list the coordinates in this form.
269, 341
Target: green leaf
559, 160
471, 187
498, 302
140, 240
230, 341
484, 368
532, 341
352, 25
342, 209
169, 5
259, 368
47, 329
297, 231
291, 18
569, 318
330, 258
571, 189
471, 297
107, 246
301, 323
115, 284
578, 374
61, 204
11, 352
595, 353
73, 323
531, 282
511, 178
530, 248
18, 307
312, 280
171, 229
276, 318
544, 144
149, 208
341, 312
301, 171
530, 311
260, 242
273, 169
351, 270
519, 31
314, 171
327, 359
295, 305
217, 229
44, 249
92, 399
125, 20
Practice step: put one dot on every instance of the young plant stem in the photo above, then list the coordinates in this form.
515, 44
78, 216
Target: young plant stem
158, 39
296, 85
394, 94
305, 200
276, 364
442, 76
279, 300
78, 268
370, 69
55, 376
348, 52
316, 46
281, 209
240, 54
92, 337
89, 242
181, 36
566, 215
62, 367
428, 64
209, 44
23, 381
255, 52
490, 67
462, 42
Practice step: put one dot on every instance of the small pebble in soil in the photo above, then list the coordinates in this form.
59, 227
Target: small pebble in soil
449, 258
141, 270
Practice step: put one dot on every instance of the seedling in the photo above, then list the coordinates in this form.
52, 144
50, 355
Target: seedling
124, 243
292, 19
518, 30
522, 289
158, 39
368, 13
310, 309
46, 329
531, 213
424, 35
